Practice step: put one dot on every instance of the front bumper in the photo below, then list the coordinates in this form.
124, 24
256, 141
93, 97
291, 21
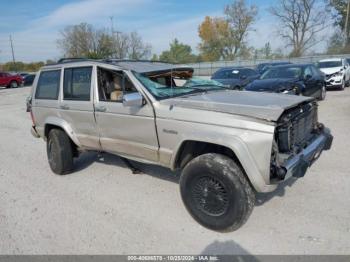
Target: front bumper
334, 82
298, 165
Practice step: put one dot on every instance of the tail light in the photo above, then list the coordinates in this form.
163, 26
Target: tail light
29, 109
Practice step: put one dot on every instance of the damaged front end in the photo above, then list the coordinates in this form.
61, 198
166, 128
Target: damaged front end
298, 142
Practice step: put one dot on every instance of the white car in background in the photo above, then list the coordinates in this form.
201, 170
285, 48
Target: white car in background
337, 72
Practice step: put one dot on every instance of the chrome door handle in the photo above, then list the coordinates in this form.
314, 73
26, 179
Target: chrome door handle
64, 107
100, 109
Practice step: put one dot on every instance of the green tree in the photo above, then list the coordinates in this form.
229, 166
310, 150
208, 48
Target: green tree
22, 67
213, 33
178, 53
340, 8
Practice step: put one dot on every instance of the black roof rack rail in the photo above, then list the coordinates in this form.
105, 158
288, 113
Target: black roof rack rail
73, 59
111, 60
107, 60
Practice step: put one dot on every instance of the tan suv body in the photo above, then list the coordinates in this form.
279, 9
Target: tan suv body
228, 143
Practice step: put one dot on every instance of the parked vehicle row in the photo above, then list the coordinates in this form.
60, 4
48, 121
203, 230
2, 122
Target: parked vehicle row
10, 81
296, 79
337, 72
14, 80
284, 77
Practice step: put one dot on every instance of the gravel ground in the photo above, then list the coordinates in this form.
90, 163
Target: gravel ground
103, 208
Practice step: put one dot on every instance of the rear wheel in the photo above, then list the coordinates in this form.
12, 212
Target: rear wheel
59, 152
216, 192
323, 93
13, 84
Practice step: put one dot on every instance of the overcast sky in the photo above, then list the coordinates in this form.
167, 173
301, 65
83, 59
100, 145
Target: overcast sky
35, 24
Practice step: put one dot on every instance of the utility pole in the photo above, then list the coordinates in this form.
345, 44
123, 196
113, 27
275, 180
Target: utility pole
13, 54
112, 26
346, 30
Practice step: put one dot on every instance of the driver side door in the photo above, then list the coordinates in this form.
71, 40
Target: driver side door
125, 130
311, 82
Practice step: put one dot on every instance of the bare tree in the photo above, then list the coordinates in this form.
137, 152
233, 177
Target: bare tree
84, 40
121, 44
240, 18
301, 22
137, 48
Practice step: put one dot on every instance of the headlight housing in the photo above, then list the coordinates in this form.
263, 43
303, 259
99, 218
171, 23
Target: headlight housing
338, 74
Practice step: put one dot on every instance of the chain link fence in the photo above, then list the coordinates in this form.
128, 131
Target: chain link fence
208, 68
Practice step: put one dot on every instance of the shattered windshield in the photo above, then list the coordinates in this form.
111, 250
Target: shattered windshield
172, 84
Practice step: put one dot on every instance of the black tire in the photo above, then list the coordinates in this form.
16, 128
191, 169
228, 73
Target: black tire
59, 152
216, 192
342, 87
13, 84
323, 93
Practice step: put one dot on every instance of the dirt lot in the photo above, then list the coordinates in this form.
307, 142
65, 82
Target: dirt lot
103, 208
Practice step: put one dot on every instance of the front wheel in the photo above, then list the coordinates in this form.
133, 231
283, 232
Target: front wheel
216, 192
342, 87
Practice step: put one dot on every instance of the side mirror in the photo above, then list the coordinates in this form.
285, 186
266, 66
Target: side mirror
243, 77
133, 99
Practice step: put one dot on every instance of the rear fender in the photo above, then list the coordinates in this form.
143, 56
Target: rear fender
64, 125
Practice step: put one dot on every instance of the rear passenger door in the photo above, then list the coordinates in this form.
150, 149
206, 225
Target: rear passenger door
76, 106
45, 100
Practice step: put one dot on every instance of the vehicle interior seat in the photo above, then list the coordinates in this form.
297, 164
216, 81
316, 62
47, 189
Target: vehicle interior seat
117, 94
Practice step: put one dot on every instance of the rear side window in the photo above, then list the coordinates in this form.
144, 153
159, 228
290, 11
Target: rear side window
77, 83
48, 85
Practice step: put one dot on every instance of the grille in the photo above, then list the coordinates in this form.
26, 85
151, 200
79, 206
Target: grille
297, 128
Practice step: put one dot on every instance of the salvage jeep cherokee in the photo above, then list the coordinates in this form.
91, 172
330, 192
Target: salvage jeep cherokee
229, 144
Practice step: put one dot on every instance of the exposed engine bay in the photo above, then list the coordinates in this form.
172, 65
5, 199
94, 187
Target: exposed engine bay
297, 128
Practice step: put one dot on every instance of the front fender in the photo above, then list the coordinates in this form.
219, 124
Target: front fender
252, 148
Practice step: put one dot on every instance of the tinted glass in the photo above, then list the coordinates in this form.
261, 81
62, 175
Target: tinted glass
307, 72
77, 83
48, 85
227, 74
315, 71
282, 72
248, 72
328, 64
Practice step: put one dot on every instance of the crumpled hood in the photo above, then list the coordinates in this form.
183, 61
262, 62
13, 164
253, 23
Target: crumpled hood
271, 85
267, 106
331, 70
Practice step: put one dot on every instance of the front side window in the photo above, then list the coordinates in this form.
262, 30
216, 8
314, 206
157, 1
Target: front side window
307, 72
77, 83
48, 85
113, 85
